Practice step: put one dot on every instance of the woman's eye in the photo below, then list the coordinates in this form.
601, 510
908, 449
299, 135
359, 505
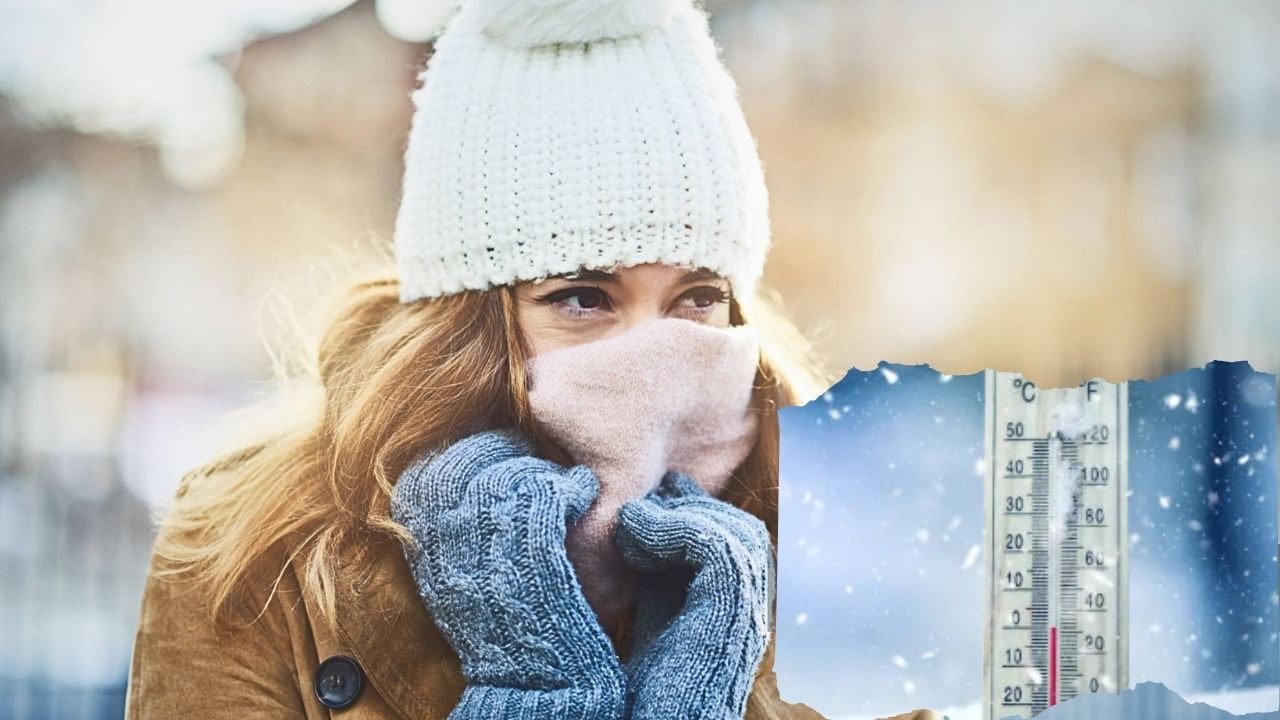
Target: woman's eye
701, 301
579, 301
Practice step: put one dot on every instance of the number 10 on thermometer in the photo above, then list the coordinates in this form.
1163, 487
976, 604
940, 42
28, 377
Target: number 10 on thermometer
1056, 543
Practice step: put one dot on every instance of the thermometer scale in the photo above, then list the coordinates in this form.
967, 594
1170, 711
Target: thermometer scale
1056, 543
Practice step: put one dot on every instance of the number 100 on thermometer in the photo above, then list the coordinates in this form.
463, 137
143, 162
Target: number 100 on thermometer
1056, 538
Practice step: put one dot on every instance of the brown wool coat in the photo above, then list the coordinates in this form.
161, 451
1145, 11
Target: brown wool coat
182, 669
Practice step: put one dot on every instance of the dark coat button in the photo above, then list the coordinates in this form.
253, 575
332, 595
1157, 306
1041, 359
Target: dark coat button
338, 681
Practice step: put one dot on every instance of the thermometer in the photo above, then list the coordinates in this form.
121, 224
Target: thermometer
1056, 543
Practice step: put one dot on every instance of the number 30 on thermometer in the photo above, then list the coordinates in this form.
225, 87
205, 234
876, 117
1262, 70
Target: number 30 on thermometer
1056, 543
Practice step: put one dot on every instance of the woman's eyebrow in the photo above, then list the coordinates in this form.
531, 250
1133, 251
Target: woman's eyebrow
699, 274
597, 275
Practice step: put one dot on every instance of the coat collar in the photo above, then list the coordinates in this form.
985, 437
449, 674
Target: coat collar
383, 621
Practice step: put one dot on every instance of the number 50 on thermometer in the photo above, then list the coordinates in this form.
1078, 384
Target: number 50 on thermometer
1056, 543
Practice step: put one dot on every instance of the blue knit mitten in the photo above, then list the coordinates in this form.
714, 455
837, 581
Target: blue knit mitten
489, 519
701, 623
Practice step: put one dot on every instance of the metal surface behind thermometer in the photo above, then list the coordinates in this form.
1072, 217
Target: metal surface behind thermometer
1056, 543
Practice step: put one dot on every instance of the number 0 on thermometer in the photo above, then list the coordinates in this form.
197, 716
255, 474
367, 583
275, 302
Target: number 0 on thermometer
1056, 543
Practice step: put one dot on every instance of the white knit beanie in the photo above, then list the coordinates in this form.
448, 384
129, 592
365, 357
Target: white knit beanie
554, 135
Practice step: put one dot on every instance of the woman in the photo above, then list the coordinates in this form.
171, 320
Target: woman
468, 505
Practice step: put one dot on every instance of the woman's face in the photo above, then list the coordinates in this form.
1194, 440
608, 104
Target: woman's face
561, 311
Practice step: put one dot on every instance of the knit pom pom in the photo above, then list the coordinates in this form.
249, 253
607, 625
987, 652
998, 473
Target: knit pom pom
530, 23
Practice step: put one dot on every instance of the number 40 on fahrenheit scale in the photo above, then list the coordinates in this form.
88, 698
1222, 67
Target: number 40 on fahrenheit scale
1056, 543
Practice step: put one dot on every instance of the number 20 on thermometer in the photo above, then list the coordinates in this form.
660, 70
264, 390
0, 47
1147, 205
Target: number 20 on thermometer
1056, 538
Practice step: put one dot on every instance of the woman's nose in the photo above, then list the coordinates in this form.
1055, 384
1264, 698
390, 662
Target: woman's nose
640, 311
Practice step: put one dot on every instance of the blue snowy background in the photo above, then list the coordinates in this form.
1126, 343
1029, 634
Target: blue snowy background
880, 593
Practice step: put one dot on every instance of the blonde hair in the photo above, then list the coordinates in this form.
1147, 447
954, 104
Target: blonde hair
316, 458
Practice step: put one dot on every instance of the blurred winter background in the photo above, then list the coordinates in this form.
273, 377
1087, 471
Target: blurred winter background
880, 601
1065, 189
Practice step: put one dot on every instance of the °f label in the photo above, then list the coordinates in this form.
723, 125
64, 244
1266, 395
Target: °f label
1056, 543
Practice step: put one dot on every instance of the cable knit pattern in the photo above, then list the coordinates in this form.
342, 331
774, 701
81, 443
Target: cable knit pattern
699, 660
489, 519
526, 162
